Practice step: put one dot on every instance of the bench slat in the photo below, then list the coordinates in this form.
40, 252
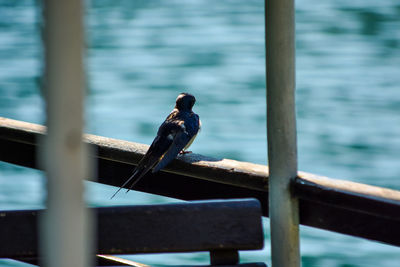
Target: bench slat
194, 226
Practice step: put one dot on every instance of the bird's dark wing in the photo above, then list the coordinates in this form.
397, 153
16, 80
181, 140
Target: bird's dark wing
181, 139
183, 135
173, 135
153, 155
151, 158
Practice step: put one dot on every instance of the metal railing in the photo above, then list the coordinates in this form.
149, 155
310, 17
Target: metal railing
336, 205
65, 226
281, 131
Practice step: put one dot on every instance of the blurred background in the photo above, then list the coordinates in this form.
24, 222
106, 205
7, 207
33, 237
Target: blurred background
142, 53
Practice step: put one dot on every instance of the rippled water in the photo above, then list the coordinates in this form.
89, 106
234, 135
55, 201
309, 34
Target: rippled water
142, 54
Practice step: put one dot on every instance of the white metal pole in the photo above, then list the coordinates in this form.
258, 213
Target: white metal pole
64, 236
281, 129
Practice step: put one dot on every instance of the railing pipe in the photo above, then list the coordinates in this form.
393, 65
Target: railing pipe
281, 129
64, 226
335, 205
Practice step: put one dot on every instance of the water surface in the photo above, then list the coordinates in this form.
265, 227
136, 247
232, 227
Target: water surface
142, 54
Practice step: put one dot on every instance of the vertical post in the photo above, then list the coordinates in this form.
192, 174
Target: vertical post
65, 238
281, 129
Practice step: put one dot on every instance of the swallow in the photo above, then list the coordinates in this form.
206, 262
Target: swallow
174, 136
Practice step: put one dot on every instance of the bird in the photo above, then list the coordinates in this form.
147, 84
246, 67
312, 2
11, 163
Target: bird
174, 137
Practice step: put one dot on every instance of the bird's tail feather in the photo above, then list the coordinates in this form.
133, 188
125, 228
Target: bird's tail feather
126, 182
137, 175
137, 179
141, 173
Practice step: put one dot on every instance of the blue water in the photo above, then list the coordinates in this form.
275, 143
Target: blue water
142, 54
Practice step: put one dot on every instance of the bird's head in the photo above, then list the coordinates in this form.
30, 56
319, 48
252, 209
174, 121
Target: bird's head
185, 102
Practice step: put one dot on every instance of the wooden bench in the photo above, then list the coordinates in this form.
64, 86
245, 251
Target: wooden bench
220, 227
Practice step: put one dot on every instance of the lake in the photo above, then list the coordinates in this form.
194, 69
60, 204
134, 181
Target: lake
142, 54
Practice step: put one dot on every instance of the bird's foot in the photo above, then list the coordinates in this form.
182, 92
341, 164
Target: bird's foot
183, 152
